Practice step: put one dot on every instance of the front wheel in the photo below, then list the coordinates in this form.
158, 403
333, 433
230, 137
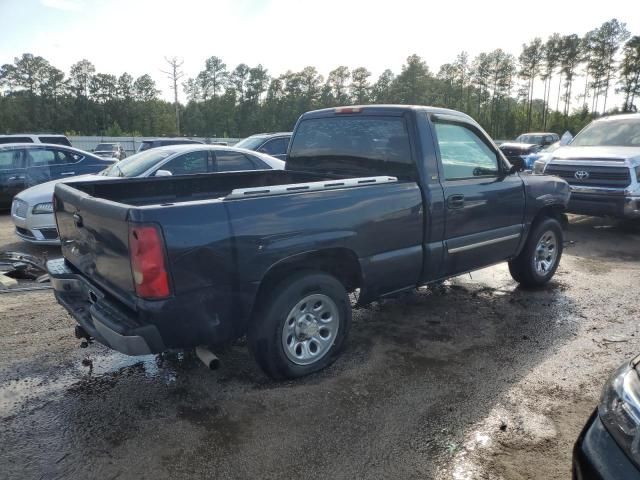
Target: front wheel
300, 326
540, 257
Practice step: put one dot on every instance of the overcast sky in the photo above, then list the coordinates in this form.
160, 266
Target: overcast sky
135, 35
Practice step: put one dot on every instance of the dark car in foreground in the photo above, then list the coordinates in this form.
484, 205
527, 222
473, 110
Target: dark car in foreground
375, 200
609, 446
163, 142
274, 144
23, 165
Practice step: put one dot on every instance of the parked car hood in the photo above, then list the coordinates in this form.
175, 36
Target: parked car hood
569, 152
43, 192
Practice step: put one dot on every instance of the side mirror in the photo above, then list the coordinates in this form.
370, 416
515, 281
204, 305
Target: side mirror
163, 173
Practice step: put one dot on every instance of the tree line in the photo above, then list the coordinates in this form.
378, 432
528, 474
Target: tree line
496, 88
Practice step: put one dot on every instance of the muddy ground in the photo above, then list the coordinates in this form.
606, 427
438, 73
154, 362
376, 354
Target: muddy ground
478, 379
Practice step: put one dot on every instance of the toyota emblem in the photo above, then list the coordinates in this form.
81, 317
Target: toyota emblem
581, 175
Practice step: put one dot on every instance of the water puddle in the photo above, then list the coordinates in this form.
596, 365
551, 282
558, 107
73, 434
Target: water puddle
15, 393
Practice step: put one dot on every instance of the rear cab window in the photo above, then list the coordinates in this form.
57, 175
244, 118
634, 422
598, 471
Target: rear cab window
357, 145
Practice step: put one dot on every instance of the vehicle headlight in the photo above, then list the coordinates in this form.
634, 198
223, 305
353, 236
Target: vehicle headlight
619, 409
538, 167
41, 208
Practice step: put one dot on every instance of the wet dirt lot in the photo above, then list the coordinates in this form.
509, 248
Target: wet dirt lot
477, 379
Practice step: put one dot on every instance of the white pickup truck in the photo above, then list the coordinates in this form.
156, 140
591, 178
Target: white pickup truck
602, 167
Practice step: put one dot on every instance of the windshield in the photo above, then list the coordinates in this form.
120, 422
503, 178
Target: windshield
105, 147
536, 139
612, 133
136, 164
251, 143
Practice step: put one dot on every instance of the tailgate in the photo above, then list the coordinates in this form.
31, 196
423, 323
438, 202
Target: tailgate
94, 234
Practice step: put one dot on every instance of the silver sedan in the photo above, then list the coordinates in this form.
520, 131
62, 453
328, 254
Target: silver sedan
32, 209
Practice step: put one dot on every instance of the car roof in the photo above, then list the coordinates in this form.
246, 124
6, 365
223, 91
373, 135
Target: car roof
396, 109
194, 147
33, 135
622, 116
538, 133
170, 139
271, 134
8, 146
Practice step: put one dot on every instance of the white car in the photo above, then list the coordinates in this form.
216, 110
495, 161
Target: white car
32, 209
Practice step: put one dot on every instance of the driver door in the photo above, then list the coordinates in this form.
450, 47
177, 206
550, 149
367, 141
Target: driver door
484, 203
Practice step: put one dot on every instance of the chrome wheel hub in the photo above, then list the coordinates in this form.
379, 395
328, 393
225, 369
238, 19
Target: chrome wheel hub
546, 253
310, 329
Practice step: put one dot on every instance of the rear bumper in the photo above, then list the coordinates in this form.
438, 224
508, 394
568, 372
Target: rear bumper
198, 317
103, 319
596, 455
604, 205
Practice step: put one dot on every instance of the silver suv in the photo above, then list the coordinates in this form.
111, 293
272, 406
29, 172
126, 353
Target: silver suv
602, 167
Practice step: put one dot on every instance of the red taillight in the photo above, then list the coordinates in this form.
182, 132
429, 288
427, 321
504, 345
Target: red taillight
348, 110
147, 262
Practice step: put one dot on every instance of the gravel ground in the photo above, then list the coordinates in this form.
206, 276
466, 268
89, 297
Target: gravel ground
477, 379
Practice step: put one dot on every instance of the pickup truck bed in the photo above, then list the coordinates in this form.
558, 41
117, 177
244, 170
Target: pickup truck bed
364, 205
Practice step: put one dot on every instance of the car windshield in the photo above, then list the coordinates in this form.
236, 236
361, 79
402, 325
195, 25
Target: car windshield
137, 164
105, 147
535, 139
251, 143
612, 133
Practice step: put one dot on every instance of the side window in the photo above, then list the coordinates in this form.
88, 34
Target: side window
11, 159
463, 153
277, 146
67, 157
229, 161
258, 164
41, 157
188, 164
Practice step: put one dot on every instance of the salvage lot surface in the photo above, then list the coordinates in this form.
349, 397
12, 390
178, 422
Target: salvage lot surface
477, 379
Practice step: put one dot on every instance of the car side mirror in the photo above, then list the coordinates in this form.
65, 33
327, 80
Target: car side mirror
163, 173
512, 169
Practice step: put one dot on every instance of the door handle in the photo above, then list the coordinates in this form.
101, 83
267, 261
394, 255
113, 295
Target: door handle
68, 173
455, 201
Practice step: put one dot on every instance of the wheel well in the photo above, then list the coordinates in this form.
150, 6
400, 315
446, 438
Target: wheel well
338, 262
552, 211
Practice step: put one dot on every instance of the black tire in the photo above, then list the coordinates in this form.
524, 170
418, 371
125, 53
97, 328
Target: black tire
523, 267
265, 335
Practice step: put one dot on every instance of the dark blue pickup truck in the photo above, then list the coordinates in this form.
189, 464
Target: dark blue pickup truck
374, 200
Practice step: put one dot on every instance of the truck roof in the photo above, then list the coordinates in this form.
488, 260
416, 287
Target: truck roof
388, 109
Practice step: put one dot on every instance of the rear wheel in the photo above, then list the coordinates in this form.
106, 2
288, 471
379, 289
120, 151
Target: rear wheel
300, 326
540, 257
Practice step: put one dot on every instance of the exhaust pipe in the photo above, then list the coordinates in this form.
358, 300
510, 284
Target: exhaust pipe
211, 361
